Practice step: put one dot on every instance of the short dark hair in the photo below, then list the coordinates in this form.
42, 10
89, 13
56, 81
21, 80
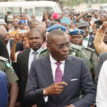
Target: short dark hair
35, 30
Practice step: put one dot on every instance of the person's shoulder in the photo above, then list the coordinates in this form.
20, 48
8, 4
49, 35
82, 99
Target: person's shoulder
77, 47
2, 74
103, 54
90, 49
24, 52
74, 58
44, 50
3, 59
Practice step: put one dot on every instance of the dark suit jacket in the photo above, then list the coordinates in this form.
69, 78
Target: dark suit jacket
102, 59
22, 72
41, 77
19, 47
3, 50
91, 39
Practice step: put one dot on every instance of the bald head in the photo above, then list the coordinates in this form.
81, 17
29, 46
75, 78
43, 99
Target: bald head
33, 31
42, 28
3, 30
54, 34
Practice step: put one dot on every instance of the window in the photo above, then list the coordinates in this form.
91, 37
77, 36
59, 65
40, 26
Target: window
39, 11
1, 10
13, 10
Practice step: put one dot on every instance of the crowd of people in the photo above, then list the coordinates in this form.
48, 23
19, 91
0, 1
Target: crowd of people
58, 62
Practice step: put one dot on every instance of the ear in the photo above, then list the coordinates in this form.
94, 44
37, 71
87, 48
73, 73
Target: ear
48, 46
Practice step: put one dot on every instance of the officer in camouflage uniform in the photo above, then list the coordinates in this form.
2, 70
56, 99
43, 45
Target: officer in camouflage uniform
11, 79
74, 50
77, 38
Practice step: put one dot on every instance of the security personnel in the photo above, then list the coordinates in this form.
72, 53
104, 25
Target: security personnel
11, 79
21, 23
74, 50
77, 38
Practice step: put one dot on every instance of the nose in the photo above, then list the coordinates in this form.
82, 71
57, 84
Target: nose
65, 48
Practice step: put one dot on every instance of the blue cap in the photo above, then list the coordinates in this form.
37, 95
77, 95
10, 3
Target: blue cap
65, 20
56, 26
22, 21
76, 32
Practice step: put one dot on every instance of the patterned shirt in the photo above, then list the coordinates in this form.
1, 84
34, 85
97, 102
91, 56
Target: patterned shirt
100, 46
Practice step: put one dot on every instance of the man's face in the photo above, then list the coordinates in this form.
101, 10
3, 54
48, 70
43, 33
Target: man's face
105, 37
23, 17
33, 16
96, 15
21, 25
15, 22
102, 19
88, 19
86, 31
59, 47
77, 39
34, 24
35, 40
14, 16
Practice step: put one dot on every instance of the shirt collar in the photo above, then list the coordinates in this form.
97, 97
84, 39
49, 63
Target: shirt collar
53, 61
38, 51
7, 44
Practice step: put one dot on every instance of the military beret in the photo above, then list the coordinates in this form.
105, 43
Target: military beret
89, 15
83, 24
56, 26
22, 21
65, 20
76, 32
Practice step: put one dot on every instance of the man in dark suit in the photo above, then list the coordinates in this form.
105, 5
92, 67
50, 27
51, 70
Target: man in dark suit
9, 44
56, 80
3, 50
102, 59
25, 59
88, 39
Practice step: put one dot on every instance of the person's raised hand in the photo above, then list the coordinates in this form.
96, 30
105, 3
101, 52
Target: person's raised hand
55, 88
17, 38
104, 26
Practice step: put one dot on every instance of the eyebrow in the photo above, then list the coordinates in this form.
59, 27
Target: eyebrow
62, 44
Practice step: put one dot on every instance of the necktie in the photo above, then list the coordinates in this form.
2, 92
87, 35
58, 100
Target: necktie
35, 55
58, 73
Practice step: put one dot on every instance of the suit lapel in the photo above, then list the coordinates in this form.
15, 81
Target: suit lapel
68, 73
26, 58
47, 72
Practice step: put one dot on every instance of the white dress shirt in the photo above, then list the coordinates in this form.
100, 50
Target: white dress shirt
85, 42
31, 56
8, 48
54, 66
101, 99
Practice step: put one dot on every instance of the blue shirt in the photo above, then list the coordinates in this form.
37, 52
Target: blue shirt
3, 90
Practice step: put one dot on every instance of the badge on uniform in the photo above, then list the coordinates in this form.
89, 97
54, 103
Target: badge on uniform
12, 69
8, 65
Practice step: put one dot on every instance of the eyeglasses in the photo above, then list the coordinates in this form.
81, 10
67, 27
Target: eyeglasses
61, 46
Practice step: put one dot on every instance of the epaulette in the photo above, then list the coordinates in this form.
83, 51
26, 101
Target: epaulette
90, 49
43, 50
3, 59
76, 46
